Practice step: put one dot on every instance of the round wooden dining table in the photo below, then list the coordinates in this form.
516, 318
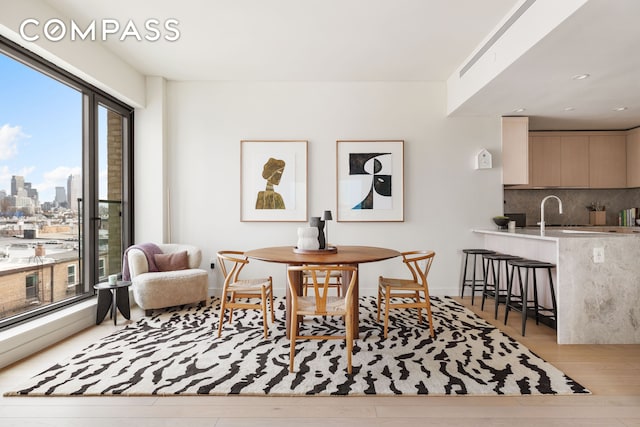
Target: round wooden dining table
345, 255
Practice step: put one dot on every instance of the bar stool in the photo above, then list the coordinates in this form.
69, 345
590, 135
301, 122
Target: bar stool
522, 302
491, 288
475, 283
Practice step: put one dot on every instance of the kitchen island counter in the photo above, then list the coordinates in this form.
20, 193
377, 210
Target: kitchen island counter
597, 301
551, 233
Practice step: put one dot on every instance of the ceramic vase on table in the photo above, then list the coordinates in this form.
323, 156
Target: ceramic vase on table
308, 238
315, 221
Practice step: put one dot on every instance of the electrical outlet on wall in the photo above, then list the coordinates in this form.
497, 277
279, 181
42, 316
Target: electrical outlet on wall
598, 255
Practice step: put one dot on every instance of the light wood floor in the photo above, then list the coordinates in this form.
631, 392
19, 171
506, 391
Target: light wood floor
611, 372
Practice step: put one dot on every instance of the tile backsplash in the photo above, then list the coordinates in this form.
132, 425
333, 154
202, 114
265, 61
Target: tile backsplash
574, 204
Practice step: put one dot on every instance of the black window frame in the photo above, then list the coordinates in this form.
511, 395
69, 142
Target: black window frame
92, 98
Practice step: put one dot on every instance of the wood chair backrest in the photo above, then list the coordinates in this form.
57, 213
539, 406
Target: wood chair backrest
419, 263
231, 263
321, 276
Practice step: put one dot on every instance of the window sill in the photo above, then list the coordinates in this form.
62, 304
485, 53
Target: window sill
28, 338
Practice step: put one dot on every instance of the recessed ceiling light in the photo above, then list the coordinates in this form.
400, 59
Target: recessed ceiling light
519, 110
619, 108
569, 108
580, 77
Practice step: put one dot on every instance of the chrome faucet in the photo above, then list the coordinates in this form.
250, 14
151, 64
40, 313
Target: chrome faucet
542, 211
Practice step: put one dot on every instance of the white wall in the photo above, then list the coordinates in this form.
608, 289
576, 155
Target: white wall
150, 164
444, 196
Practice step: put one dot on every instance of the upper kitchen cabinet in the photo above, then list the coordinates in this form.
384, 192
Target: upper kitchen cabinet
581, 159
633, 158
607, 161
574, 157
515, 150
545, 166
558, 160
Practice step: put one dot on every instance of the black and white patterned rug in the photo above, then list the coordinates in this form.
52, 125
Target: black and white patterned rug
177, 352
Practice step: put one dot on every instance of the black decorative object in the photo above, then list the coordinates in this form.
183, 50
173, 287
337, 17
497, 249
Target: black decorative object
315, 221
327, 216
501, 221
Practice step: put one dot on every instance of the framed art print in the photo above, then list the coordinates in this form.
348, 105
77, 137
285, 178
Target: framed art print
370, 180
273, 180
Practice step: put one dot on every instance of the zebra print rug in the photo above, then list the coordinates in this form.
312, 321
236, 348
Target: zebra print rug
177, 352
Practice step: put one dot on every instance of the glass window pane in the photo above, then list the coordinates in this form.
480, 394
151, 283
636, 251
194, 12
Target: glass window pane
40, 184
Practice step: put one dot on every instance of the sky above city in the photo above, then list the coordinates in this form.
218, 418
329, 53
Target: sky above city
40, 129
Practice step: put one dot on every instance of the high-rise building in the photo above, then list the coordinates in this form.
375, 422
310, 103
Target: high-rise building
74, 191
32, 193
17, 185
61, 197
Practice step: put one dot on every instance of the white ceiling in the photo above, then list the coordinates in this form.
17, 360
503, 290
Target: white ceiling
393, 40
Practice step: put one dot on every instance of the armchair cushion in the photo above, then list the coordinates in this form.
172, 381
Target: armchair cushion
172, 261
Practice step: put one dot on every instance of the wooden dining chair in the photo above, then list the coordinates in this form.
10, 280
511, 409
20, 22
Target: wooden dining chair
237, 292
321, 304
416, 288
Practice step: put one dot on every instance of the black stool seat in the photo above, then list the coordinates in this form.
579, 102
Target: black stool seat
475, 283
501, 256
522, 302
531, 263
491, 287
478, 251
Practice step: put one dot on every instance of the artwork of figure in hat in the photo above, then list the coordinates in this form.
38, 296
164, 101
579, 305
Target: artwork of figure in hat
272, 172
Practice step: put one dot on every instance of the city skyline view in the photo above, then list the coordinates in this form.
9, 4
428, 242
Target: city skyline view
41, 130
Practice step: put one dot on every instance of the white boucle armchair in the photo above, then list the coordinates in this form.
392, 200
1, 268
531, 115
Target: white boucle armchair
160, 289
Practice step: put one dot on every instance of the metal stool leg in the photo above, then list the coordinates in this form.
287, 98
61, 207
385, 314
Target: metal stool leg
464, 275
509, 291
554, 307
525, 298
486, 279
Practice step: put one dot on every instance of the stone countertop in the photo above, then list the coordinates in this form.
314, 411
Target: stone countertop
553, 234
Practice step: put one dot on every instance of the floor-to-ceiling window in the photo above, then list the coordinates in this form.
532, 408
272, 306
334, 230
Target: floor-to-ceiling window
65, 187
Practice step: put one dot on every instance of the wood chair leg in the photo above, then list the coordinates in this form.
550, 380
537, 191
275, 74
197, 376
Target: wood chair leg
263, 293
429, 318
293, 332
221, 321
231, 300
379, 300
349, 338
416, 296
273, 315
386, 311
